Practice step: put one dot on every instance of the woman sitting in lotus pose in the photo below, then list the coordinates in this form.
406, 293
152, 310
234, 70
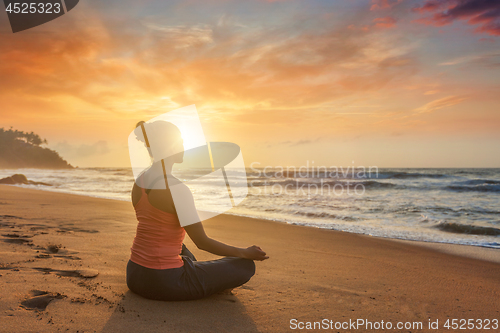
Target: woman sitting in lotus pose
160, 265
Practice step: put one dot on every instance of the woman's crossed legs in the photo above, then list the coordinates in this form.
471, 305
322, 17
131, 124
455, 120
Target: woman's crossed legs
194, 280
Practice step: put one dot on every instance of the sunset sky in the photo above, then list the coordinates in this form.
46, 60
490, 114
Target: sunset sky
388, 83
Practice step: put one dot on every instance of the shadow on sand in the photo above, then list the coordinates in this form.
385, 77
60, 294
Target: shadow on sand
217, 313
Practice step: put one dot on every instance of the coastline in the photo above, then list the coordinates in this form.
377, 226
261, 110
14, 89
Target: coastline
471, 251
312, 273
399, 205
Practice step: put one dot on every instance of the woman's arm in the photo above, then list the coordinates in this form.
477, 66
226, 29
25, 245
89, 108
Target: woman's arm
197, 233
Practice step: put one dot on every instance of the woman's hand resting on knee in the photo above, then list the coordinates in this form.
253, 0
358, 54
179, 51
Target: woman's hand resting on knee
255, 253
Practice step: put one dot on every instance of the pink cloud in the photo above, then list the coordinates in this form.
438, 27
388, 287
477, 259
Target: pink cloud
483, 13
385, 22
384, 4
429, 6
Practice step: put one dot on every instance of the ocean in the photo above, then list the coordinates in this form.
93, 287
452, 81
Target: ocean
458, 206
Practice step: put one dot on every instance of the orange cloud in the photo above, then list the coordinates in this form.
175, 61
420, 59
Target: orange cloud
385, 22
95, 69
440, 104
384, 4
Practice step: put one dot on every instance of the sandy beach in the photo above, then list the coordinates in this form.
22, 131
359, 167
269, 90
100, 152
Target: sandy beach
63, 260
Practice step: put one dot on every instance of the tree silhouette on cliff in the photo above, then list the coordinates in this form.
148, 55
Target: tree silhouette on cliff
20, 149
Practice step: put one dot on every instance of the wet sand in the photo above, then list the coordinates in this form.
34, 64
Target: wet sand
63, 259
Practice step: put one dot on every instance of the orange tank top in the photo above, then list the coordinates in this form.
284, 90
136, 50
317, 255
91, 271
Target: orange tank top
158, 240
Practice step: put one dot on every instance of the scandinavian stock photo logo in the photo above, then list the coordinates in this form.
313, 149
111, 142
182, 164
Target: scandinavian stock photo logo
174, 142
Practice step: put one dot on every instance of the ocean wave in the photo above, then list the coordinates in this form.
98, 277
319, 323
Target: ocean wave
296, 184
355, 174
326, 215
411, 175
467, 229
475, 188
404, 175
458, 211
473, 182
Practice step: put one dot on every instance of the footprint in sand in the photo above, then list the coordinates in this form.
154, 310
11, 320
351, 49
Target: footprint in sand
69, 257
55, 251
9, 217
84, 273
40, 299
16, 236
47, 256
75, 229
18, 241
52, 248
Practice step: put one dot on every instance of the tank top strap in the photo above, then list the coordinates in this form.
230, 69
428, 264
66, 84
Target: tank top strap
141, 185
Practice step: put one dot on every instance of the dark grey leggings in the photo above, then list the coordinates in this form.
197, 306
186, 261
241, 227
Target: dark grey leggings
194, 280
